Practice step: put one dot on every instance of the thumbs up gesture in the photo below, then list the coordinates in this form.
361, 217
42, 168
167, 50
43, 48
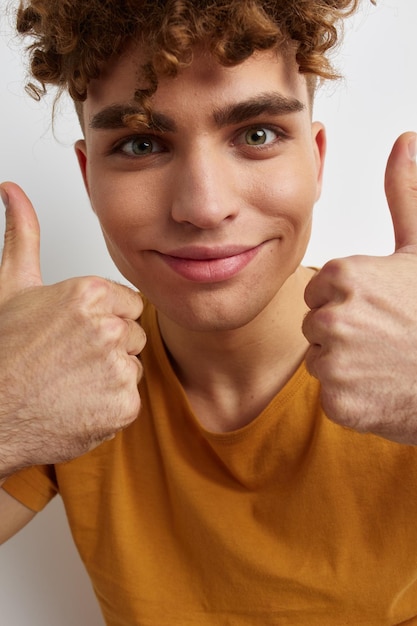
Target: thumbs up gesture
362, 326
68, 365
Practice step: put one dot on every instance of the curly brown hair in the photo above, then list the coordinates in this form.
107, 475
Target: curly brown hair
71, 40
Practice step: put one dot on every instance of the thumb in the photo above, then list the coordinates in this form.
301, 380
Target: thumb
401, 191
20, 264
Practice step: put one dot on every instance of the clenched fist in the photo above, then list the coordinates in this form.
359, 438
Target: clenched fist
68, 364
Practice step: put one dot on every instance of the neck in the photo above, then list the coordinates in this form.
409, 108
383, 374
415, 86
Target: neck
230, 376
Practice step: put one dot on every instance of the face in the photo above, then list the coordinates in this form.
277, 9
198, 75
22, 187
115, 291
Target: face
208, 209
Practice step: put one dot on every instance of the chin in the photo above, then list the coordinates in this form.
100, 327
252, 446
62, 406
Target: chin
215, 307
213, 316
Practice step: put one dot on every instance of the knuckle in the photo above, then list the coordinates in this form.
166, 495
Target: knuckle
112, 329
135, 300
331, 320
306, 326
339, 272
348, 274
310, 291
327, 322
88, 290
131, 297
140, 370
139, 339
122, 371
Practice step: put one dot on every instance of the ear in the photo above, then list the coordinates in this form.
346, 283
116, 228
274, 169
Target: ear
81, 152
319, 146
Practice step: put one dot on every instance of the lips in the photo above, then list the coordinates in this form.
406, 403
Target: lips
209, 265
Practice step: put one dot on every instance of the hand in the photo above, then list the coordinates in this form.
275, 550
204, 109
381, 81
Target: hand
362, 326
68, 370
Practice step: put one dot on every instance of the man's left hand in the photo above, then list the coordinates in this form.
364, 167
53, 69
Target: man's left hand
362, 326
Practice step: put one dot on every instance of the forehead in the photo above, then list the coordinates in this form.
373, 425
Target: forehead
266, 71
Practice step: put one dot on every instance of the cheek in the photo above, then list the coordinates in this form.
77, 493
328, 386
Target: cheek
286, 193
118, 220
128, 214
123, 206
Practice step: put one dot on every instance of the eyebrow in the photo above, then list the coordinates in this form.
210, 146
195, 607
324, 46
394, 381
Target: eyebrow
272, 103
113, 117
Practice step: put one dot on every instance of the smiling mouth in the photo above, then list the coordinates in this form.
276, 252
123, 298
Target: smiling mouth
209, 265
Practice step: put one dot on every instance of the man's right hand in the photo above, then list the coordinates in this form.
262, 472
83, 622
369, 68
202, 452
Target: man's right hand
68, 365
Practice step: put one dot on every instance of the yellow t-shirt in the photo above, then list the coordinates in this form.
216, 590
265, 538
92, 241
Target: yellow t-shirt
290, 520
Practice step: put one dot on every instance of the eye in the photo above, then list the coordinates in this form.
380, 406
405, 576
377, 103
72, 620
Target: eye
257, 136
139, 146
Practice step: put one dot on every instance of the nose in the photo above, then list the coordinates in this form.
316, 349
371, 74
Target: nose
203, 190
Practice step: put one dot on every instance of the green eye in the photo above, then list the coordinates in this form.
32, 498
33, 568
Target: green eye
139, 147
256, 137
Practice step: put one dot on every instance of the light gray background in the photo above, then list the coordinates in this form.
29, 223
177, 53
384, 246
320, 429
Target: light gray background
42, 582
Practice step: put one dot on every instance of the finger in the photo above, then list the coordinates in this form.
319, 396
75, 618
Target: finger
309, 329
136, 338
311, 360
327, 285
139, 368
20, 265
401, 191
318, 291
104, 296
321, 325
124, 301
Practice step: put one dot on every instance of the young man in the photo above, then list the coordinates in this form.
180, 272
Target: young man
232, 499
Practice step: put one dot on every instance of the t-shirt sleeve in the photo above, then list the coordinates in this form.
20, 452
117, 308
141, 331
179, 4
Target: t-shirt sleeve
34, 487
